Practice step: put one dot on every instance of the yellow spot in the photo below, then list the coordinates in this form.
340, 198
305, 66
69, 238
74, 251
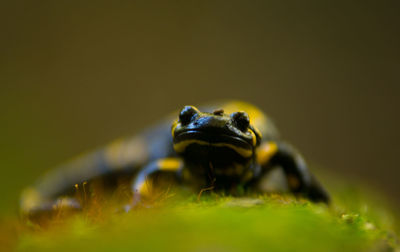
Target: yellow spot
181, 146
265, 152
113, 151
169, 164
124, 152
144, 188
257, 118
31, 198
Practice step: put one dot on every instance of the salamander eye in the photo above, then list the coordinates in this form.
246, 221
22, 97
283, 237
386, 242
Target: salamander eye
187, 114
241, 120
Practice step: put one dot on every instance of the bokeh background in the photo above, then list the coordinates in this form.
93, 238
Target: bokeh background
75, 75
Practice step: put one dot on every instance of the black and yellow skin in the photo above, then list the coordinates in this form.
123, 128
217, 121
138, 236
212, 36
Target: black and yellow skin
221, 147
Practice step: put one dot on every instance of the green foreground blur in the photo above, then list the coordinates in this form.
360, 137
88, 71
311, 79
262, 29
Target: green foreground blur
216, 223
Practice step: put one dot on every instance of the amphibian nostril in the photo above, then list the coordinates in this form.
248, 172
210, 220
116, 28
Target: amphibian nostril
187, 114
241, 120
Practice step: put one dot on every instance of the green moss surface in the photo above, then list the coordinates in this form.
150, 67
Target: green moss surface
218, 223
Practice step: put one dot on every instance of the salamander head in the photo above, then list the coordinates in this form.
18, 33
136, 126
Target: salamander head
202, 134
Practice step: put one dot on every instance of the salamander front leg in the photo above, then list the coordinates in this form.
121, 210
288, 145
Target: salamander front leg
299, 178
159, 174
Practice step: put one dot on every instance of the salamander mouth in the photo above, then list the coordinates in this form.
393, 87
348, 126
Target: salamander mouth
234, 142
211, 138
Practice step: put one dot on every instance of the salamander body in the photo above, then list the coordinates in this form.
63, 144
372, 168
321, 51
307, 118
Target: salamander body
220, 146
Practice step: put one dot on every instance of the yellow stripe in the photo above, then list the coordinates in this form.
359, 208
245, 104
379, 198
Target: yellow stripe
253, 137
174, 124
266, 151
181, 146
257, 131
169, 164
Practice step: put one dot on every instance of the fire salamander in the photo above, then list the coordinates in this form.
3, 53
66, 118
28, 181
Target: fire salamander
220, 147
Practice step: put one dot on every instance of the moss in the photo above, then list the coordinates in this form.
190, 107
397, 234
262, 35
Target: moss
269, 222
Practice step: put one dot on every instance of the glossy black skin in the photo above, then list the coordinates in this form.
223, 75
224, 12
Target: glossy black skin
213, 165
213, 149
214, 127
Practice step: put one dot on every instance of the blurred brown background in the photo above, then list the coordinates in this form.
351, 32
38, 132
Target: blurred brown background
76, 75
